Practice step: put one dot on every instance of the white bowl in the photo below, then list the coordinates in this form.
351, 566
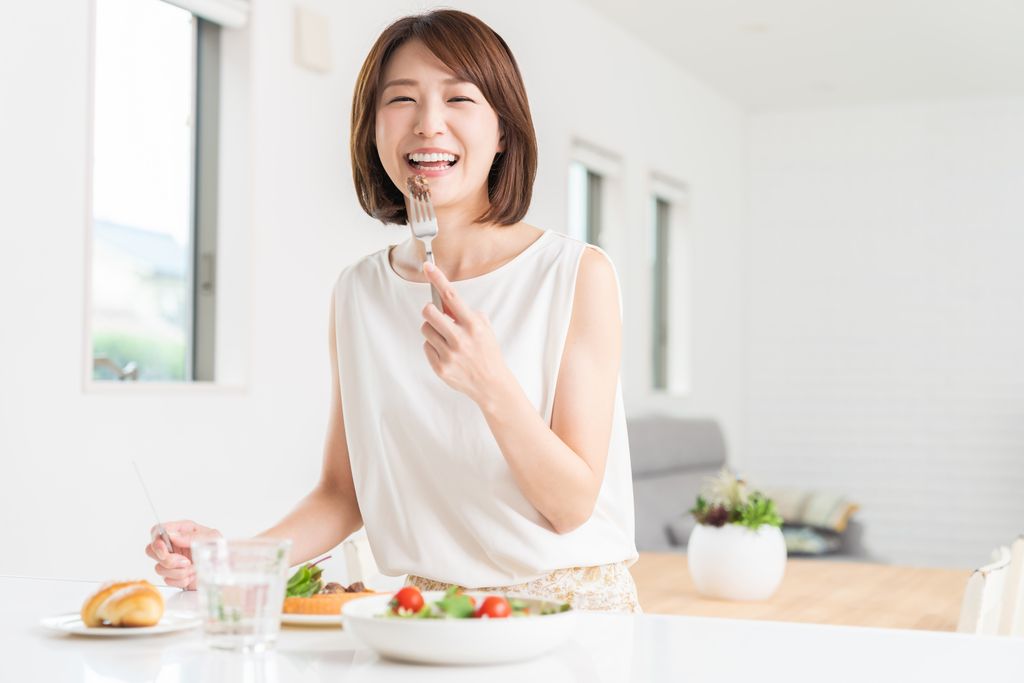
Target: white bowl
457, 641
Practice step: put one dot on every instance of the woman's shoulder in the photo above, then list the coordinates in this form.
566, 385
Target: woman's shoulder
593, 260
363, 269
596, 280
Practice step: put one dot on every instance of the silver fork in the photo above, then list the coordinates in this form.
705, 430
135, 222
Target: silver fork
423, 223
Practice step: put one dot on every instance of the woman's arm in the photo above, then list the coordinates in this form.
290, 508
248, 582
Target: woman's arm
558, 468
329, 513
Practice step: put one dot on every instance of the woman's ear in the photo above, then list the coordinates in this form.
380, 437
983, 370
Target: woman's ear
501, 137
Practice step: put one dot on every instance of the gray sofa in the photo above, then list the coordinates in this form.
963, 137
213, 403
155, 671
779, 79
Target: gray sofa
671, 457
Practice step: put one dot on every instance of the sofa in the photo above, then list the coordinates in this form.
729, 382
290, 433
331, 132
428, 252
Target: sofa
671, 457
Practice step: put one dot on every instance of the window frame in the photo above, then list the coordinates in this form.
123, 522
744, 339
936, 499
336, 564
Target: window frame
669, 215
201, 322
603, 170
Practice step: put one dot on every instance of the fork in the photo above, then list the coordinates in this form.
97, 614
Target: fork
423, 223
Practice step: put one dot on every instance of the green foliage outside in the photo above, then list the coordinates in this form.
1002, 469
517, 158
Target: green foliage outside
158, 359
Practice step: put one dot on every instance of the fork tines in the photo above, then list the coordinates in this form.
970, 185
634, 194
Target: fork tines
422, 218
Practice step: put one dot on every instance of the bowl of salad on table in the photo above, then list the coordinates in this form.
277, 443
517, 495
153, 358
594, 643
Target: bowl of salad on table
458, 627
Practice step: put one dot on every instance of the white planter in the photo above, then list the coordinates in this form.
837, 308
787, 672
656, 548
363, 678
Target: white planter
734, 562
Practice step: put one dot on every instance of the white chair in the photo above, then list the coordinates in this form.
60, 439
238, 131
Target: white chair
1011, 622
360, 565
359, 562
981, 610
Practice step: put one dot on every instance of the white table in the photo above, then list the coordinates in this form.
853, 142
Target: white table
648, 648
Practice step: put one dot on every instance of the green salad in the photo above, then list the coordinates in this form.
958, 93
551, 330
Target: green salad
306, 580
408, 603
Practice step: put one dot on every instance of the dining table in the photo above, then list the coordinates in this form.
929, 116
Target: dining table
604, 648
825, 590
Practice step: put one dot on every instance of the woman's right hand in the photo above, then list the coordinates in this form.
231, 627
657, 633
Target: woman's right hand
175, 564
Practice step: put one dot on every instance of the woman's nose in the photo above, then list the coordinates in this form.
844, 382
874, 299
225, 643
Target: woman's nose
430, 121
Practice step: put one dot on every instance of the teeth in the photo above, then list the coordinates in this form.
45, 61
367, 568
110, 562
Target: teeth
433, 156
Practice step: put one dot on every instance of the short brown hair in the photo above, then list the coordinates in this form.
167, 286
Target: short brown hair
478, 55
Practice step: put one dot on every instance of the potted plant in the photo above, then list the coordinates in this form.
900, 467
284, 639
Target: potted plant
736, 551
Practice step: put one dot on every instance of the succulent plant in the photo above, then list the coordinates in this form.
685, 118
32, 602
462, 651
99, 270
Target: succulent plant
724, 499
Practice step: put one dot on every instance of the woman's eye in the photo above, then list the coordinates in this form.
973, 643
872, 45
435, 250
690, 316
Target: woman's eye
460, 99
400, 98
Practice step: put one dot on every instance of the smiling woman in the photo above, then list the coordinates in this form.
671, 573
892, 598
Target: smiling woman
460, 66
490, 449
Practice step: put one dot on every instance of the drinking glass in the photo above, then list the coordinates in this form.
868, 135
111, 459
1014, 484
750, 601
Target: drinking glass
241, 589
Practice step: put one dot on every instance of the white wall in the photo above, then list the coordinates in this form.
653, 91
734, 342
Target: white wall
69, 503
885, 321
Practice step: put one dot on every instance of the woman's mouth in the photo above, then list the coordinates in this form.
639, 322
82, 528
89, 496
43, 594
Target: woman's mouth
432, 164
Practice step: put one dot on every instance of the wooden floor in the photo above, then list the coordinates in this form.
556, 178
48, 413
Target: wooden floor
816, 591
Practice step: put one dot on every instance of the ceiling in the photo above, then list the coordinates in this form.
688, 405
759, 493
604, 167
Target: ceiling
780, 54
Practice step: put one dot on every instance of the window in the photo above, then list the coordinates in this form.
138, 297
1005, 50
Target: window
584, 204
670, 291
154, 192
659, 334
593, 193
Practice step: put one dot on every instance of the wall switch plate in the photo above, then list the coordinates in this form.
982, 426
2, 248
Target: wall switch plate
312, 41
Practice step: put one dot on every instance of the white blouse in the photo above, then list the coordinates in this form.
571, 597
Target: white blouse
437, 497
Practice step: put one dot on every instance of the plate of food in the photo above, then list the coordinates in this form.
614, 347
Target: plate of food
457, 627
123, 609
310, 602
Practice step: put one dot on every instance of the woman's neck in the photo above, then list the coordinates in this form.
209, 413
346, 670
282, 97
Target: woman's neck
463, 249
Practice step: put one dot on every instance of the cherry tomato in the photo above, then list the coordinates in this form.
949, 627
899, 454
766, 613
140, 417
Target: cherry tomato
409, 598
494, 607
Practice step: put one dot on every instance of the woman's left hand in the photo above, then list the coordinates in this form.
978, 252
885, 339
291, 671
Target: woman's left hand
461, 349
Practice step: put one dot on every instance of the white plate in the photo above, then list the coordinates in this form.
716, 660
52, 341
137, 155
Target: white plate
311, 619
457, 641
170, 622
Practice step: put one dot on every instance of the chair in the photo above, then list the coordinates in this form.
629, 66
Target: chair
1011, 623
359, 562
671, 457
981, 610
360, 565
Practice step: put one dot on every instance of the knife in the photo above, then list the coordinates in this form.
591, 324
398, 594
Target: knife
164, 536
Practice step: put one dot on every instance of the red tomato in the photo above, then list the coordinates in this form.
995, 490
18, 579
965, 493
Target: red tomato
494, 607
408, 598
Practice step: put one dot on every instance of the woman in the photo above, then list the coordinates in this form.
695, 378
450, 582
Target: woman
490, 450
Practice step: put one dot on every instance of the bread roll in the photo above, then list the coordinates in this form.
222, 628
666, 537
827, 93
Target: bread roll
321, 603
124, 603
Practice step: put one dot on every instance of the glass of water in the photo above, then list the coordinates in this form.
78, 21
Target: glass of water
241, 590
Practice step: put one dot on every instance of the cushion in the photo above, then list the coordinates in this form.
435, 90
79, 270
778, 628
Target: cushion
808, 540
818, 509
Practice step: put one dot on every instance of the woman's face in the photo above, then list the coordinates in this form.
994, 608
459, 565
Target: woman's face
423, 109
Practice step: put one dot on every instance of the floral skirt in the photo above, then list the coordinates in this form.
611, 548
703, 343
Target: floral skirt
605, 588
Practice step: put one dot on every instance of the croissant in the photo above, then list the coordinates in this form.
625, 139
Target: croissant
124, 603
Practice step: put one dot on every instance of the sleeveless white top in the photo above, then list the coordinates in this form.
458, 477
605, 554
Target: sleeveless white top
437, 497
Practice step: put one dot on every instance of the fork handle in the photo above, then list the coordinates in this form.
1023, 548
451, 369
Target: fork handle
435, 295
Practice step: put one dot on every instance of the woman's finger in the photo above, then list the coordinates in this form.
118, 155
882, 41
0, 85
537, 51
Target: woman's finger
173, 573
181, 583
444, 325
160, 550
451, 299
432, 357
439, 343
169, 559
